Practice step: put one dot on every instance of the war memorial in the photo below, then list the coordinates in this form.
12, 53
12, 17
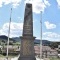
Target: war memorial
27, 49
27, 39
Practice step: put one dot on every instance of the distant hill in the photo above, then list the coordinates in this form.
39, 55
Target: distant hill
16, 39
44, 42
53, 44
5, 38
36, 41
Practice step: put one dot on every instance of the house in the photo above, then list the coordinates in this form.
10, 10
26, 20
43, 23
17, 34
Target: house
0, 47
58, 50
46, 51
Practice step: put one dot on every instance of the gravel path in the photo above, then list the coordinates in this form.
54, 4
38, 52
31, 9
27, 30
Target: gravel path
16, 58
4, 59
46, 59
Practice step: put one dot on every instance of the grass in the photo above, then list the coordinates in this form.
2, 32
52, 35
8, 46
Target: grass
2, 55
54, 58
10, 56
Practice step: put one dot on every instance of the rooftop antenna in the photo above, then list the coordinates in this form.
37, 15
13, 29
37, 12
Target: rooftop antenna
41, 37
8, 35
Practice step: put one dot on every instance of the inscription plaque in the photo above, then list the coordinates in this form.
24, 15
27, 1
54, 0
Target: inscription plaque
26, 47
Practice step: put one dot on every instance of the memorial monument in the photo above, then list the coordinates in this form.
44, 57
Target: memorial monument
27, 40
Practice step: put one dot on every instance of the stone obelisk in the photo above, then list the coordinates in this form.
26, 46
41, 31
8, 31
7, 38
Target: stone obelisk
27, 39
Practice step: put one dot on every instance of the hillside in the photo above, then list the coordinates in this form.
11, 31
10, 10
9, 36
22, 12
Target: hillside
44, 42
36, 41
4, 38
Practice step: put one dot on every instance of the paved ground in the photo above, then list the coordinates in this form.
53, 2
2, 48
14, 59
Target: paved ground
46, 59
16, 58
4, 59
42, 59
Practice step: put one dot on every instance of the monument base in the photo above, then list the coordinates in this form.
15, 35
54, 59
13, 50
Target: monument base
26, 58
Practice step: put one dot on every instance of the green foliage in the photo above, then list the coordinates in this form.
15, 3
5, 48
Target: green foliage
54, 44
54, 58
17, 43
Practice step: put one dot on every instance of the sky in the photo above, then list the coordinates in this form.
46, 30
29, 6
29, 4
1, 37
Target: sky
50, 18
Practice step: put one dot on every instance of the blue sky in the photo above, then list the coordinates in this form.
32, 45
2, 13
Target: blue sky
50, 18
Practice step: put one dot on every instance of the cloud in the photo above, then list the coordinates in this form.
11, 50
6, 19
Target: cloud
14, 3
1, 2
52, 36
46, 2
58, 1
15, 31
38, 5
49, 25
20, 18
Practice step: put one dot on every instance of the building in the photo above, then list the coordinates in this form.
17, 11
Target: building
58, 50
46, 51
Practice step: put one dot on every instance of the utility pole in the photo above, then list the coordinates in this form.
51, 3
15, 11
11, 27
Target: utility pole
41, 37
8, 35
